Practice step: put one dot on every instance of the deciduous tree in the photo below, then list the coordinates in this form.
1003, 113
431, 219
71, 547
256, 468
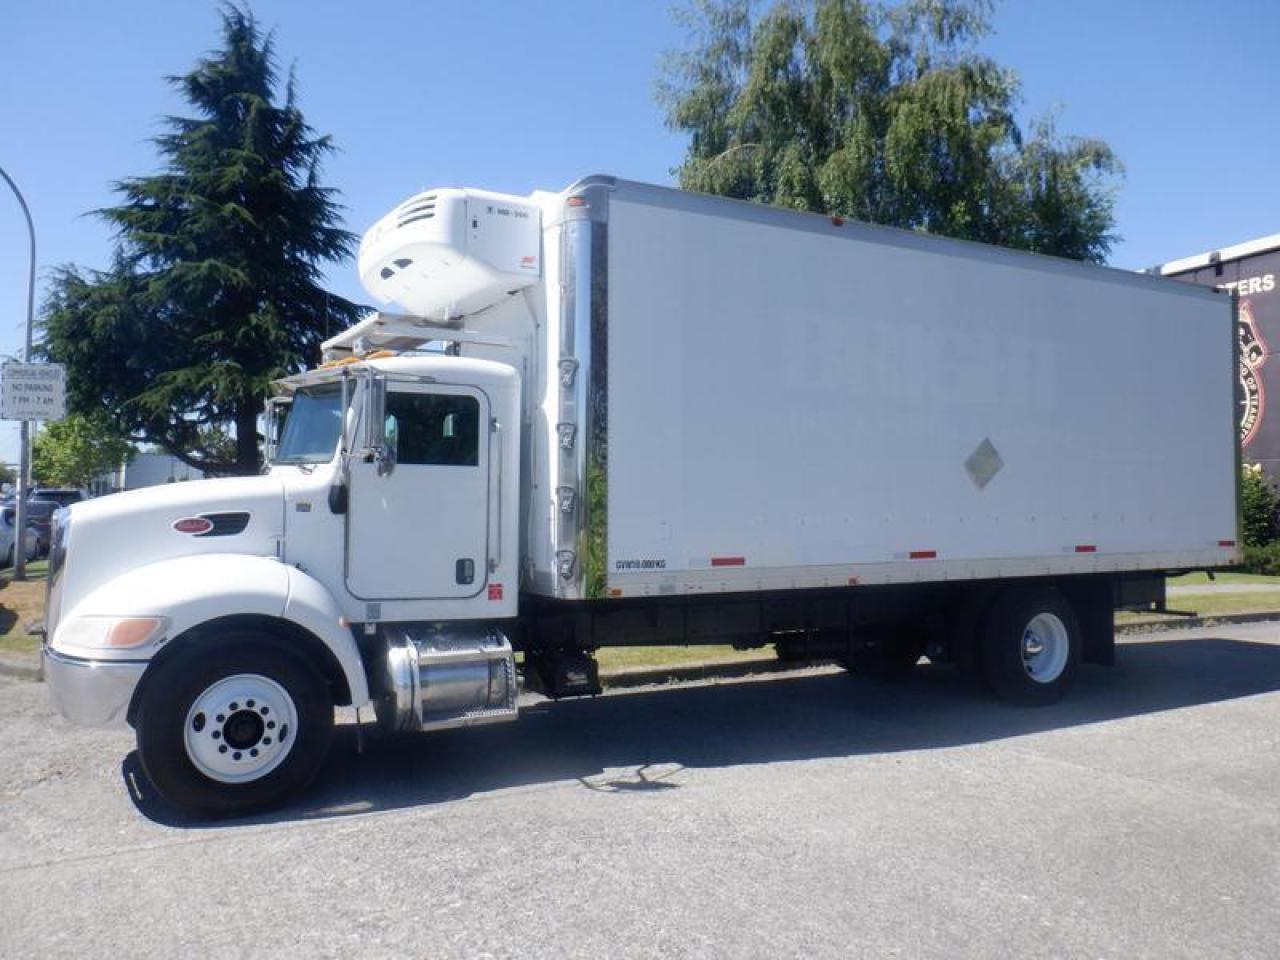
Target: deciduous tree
884, 112
74, 451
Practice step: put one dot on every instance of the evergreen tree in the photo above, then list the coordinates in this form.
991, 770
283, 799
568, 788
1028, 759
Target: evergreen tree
880, 112
214, 289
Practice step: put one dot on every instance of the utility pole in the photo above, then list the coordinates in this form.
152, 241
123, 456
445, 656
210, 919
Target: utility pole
24, 471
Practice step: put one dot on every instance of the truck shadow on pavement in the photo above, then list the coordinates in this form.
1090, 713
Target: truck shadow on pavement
651, 732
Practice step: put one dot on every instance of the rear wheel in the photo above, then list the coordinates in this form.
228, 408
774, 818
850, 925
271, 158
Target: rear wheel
234, 727
1031, 646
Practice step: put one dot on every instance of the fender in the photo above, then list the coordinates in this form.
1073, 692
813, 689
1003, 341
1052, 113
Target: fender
312, 607
197, 589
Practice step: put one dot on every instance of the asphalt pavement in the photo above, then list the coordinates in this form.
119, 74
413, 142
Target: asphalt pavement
803, 814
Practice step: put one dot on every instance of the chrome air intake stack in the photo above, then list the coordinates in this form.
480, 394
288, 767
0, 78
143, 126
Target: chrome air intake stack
437, 676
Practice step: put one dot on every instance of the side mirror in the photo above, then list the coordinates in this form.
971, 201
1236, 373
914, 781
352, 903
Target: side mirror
375, 407
273, 420
379, 430
386, 454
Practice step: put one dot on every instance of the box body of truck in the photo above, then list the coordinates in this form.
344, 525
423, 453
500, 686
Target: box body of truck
784, 401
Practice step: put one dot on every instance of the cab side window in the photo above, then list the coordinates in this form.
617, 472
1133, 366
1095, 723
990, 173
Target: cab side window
436, 429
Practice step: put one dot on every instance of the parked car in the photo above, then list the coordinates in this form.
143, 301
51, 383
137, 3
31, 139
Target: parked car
7, 539
42, 503
63, 496
39, 518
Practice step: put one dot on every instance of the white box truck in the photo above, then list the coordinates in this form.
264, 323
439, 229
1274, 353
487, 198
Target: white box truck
623, 414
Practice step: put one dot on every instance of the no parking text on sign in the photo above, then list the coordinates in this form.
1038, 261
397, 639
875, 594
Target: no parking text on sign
33, 391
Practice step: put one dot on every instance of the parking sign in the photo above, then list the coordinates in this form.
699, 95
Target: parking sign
33, 391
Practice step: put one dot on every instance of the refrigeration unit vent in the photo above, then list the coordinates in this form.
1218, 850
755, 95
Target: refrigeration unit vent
417, 209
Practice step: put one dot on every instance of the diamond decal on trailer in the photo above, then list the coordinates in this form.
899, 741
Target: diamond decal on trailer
983, 464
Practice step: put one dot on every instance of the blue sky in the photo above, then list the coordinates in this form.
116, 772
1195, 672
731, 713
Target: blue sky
517, 96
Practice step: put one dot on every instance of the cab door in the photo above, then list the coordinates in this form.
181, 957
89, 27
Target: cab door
421, 531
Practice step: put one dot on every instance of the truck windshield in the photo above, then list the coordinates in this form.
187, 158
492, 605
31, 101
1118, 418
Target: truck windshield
311, 426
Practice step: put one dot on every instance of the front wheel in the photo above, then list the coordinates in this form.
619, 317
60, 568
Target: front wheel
1031, 646
234, 727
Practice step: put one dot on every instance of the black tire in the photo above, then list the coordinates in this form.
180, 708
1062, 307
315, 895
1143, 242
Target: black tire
1022, 620
170, 696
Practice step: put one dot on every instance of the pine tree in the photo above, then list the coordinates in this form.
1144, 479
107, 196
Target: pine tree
214, 288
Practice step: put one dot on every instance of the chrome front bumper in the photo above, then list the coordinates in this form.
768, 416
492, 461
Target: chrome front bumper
95, 693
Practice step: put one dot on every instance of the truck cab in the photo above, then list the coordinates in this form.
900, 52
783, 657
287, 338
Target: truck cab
392, 475
374, 564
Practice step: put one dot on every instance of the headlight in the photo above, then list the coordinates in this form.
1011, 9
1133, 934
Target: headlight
109, 633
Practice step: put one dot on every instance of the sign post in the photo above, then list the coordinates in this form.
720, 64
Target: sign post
20, 512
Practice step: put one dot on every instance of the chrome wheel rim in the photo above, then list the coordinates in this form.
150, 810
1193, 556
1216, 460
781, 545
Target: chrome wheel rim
1045, 647
240, 728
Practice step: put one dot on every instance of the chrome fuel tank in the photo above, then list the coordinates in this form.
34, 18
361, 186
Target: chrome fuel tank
436, 676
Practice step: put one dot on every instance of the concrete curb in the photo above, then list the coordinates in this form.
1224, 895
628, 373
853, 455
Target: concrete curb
1187, 623
22, 666
689, 672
